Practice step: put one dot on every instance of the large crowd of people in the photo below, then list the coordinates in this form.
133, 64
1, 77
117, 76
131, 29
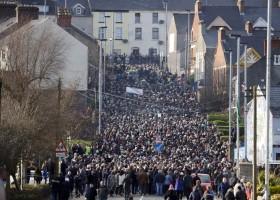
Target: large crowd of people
156, 143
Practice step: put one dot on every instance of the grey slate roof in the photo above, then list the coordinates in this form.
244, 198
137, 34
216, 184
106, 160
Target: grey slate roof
157, 5
252, 14
230, 14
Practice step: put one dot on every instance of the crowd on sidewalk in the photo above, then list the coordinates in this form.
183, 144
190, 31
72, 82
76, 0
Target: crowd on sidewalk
154, 143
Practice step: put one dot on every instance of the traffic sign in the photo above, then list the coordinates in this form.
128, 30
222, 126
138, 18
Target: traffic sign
60, 150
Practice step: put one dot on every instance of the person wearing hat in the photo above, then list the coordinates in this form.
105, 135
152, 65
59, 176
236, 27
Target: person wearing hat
171, 194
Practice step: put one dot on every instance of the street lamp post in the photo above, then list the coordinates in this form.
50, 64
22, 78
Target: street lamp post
245, 101
165, 2
229, 103
188, 42
237, 104
105, 50
268, 74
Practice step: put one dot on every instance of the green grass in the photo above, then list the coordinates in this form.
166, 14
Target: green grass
81, 142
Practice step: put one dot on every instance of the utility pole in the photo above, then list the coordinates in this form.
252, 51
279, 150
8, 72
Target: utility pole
255, 145
0, 101
58, 134
230, 104
100, 78
268, 68
58, 109
166, 34
237, 107
245, 100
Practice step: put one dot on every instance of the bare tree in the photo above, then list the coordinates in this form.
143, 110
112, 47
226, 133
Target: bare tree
29, 99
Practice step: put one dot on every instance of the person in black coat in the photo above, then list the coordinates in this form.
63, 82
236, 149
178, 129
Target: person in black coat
230, 194
91, 192
171, 194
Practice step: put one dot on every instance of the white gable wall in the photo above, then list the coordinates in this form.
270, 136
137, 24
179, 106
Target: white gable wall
261, 132
74, 73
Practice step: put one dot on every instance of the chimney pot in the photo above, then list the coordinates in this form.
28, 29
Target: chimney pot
249, 27
241, 6
221, 34
198, 6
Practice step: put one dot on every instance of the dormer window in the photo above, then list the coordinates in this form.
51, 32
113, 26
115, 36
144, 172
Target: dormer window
78, 11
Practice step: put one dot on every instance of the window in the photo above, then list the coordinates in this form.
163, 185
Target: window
152, 52
118, 17
138, 33
137, 18
78, 11
117, 51
155, 34
155, 18
118, 33
102, 17
102, 33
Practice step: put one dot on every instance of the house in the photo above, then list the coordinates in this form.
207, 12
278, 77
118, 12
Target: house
204, 36
79, 52
135, 27
81, 13
178, 42
255, 39
257, 77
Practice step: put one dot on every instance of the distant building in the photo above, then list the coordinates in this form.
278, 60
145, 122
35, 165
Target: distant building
207, 20
135, 27
79, 55
178, 41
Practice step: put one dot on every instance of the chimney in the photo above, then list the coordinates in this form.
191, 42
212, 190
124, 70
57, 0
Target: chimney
203, 27
64, 18
198, 6
241, 6
25, 14
249, 27
7, 10
221, 34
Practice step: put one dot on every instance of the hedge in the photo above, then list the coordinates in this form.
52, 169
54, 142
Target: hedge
30, 192
275, 197
275, 189
216, 116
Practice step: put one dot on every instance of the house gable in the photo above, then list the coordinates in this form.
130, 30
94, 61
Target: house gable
260, 23
219, 22
78, 9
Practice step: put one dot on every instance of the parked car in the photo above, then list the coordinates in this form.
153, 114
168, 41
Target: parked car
205, 180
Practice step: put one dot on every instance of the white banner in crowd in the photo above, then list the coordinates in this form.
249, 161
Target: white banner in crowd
134, 90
